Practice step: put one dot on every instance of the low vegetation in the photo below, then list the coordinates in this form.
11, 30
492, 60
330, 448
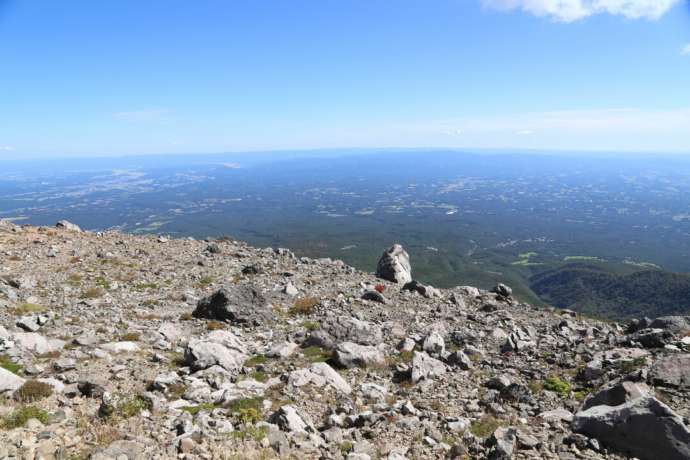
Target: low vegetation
21, 415
304, 306
33, 390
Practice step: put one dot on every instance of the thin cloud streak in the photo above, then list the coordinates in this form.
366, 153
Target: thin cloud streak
574, 10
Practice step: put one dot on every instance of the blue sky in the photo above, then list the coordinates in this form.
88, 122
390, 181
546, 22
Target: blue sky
87, 77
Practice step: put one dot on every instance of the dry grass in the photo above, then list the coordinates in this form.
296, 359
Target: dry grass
304, 306
33, 390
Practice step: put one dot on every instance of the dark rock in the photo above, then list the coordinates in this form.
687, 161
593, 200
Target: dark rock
644, 427
375, 296
238, 304
502, 290
424, 290
251, 270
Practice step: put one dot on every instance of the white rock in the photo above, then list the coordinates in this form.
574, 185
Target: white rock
9, 381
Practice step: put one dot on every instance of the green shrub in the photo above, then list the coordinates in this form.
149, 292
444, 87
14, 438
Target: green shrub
196, 409
558, 386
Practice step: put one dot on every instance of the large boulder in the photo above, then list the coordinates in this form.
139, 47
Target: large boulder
237, 304
616, 393
673, 324
220, 348
394, 265
672, 371
643, 427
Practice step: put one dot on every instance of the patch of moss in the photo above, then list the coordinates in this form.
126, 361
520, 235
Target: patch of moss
243, 404
255, 360
484, 427
145, 286
196, 409
316, 354
102, 282
8, 365
20, 416
632, 365
205, 281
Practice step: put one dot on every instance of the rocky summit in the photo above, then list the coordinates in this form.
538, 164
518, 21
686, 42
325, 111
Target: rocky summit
116, 346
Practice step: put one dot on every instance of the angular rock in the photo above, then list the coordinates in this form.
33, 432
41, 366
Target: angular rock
289, 419
221, 348
120, 347
9, 381
319, 374
242, 305
425, 367
347, 329
502, 290
375, 296
672, 371
616, 393
502, 443
350, 354
422, 289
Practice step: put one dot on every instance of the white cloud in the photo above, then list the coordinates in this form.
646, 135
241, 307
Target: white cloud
144, 115
524, 132
6, 148
573, 10
685, 51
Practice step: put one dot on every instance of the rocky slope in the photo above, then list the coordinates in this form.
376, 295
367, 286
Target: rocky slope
115, 346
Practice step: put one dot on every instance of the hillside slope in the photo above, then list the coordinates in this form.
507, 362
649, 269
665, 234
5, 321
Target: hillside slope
592, 290
117, 346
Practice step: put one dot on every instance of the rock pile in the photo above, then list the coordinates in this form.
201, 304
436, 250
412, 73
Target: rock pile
115, 346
